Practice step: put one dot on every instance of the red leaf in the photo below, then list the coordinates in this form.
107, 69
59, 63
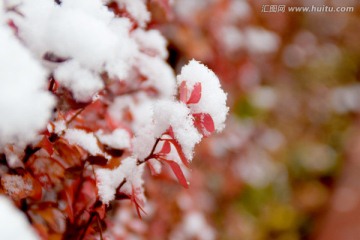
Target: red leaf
180, 152
137, 203
111, 123
195, 94
178, 172
166, 148
170, 132
204, 123
47, 145
12, 25
152, 169
183, 92
69, 198
37, 190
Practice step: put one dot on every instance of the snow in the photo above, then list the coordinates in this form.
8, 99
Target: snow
75, 34
144, 138
83, 139
118, 139
133, 174
57, 127
16, 185
159, 74
213, 98
151, 42
89, 42
83, 83
85, 34
109, 179
13, 223
14, 156
107, 182
137, 10
24, 99
178, 117
143, 142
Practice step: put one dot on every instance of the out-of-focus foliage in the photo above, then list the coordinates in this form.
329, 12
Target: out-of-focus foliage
285, 167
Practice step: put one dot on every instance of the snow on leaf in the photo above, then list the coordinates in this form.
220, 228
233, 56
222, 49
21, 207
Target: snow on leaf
83, 139
213, 98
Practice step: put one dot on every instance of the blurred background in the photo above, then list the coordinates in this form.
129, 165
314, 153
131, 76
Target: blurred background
287, 165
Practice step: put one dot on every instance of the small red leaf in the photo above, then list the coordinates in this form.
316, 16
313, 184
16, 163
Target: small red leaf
166, 148
13, 26
47, 145
180, 152
195, 94
178, 173
152, 169
204, 123
183, 92
137, 203
170, 132
69, 199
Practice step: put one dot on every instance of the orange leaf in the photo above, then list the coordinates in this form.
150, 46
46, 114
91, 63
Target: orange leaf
47, 145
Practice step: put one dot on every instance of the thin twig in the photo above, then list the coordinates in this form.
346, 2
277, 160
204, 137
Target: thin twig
151, 153
99, 225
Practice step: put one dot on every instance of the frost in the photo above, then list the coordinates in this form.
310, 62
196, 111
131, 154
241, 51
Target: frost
213, 98
14, 224
83, 139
